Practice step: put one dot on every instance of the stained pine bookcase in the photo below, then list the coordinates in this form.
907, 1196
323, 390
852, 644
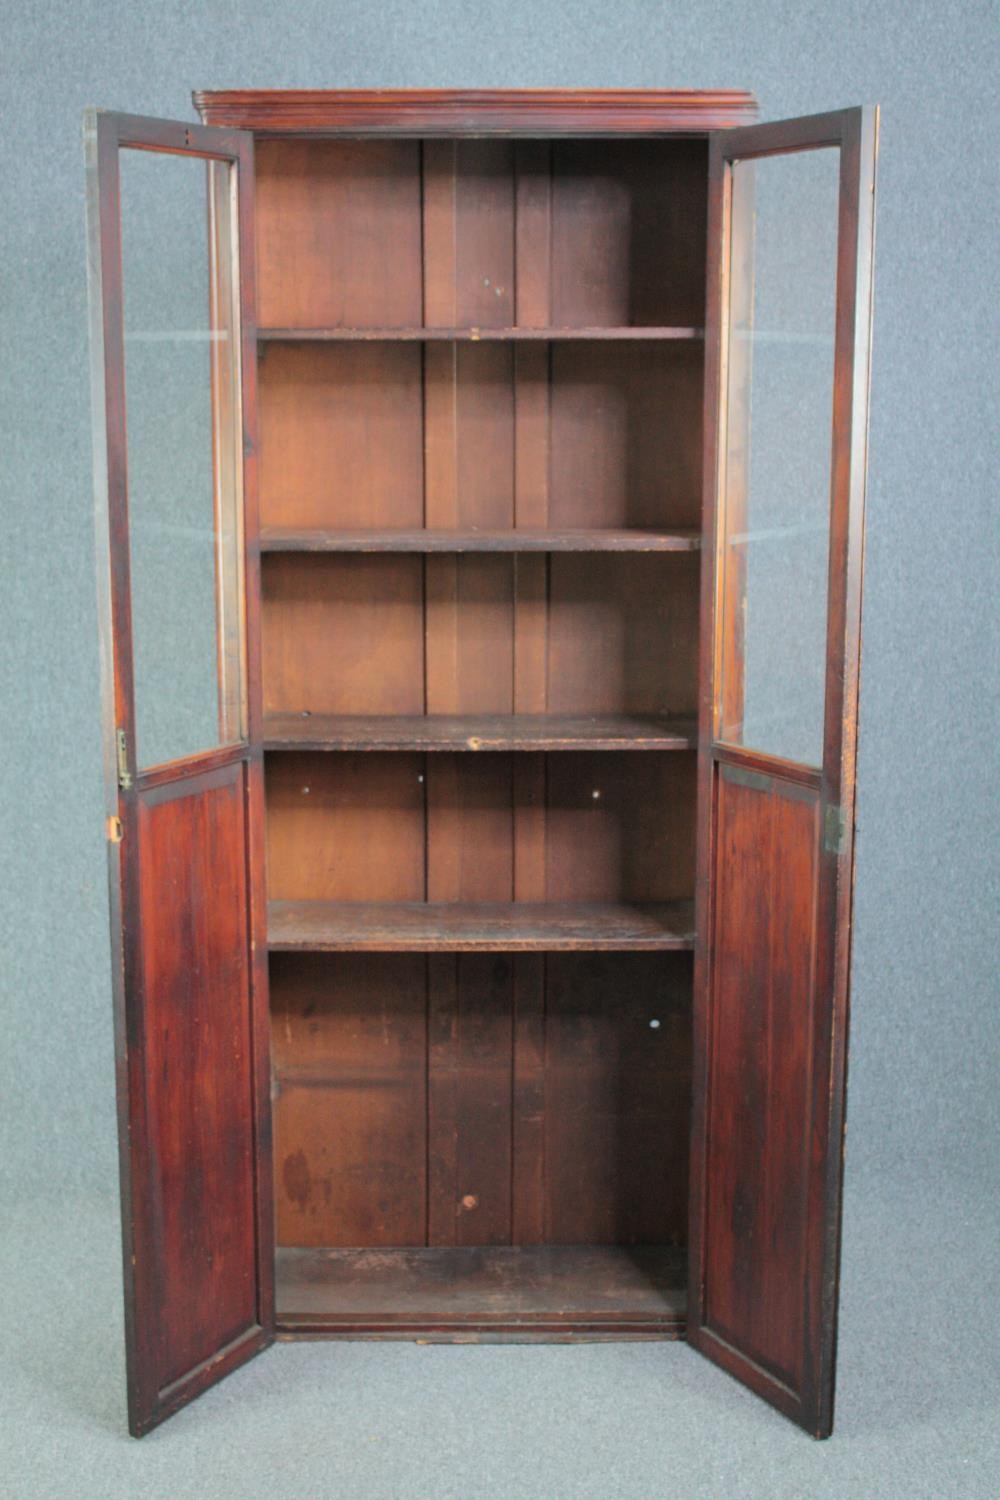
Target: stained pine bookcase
482, 968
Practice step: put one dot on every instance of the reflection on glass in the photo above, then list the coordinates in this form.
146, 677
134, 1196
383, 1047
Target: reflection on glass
777, 452
182, 418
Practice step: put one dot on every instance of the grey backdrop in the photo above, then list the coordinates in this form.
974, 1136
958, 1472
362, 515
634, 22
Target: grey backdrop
918, 1364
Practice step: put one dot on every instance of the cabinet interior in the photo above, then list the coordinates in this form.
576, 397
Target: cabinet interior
480, 398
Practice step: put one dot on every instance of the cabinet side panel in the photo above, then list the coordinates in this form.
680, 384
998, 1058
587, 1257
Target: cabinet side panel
198, 1067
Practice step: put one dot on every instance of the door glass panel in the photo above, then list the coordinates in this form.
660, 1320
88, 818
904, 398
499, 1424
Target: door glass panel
184, 452
776, 473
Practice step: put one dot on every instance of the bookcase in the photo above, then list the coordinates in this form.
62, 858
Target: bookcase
481, 718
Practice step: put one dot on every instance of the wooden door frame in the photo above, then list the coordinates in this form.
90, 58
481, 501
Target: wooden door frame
855, 132
106, 134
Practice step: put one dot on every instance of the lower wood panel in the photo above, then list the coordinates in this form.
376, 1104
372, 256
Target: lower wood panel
497, 1292
197, 1284
762, 1020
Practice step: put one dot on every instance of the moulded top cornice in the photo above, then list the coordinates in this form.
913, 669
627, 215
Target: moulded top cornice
514, 112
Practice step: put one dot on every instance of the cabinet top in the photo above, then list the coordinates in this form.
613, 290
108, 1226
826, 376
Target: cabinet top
455, 112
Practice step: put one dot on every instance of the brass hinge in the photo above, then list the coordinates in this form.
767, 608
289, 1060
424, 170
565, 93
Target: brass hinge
121, 753
834, 830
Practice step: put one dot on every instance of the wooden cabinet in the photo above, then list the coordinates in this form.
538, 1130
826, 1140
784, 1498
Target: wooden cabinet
480, 481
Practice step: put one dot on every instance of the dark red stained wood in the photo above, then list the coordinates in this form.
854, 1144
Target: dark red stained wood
525, 1065
456, 112
764, 1016
492, 927
498, 1292
430, 539
186, 898
197, 1067
773, 890
308, 731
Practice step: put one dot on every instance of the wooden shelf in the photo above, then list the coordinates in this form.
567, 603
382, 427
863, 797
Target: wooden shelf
478, 732
494, 927
507, 1291
526, 539
474, 335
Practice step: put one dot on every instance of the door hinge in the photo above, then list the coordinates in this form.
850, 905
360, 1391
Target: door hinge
121, 754
834, 830
114, 830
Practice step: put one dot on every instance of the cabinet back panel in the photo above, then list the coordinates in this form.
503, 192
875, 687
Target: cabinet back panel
469, 1125
481, 1099
488, 234
349, 1047
338, 233
458, 1100
483, 232
625, 434
619, 827
343, 634
616, 1099
341, 435
469, 634
345, 827
470, 829
469, 247
385, 434
586, 633
622, 633
628, 227
469, 435
374, 826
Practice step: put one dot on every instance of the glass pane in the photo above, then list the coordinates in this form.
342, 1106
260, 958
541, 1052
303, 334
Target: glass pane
184, 469
777, 454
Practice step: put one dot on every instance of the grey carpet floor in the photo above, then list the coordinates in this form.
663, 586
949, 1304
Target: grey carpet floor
917, 1405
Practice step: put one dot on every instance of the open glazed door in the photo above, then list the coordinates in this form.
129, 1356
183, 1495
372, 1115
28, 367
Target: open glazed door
789, 311
169, 213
